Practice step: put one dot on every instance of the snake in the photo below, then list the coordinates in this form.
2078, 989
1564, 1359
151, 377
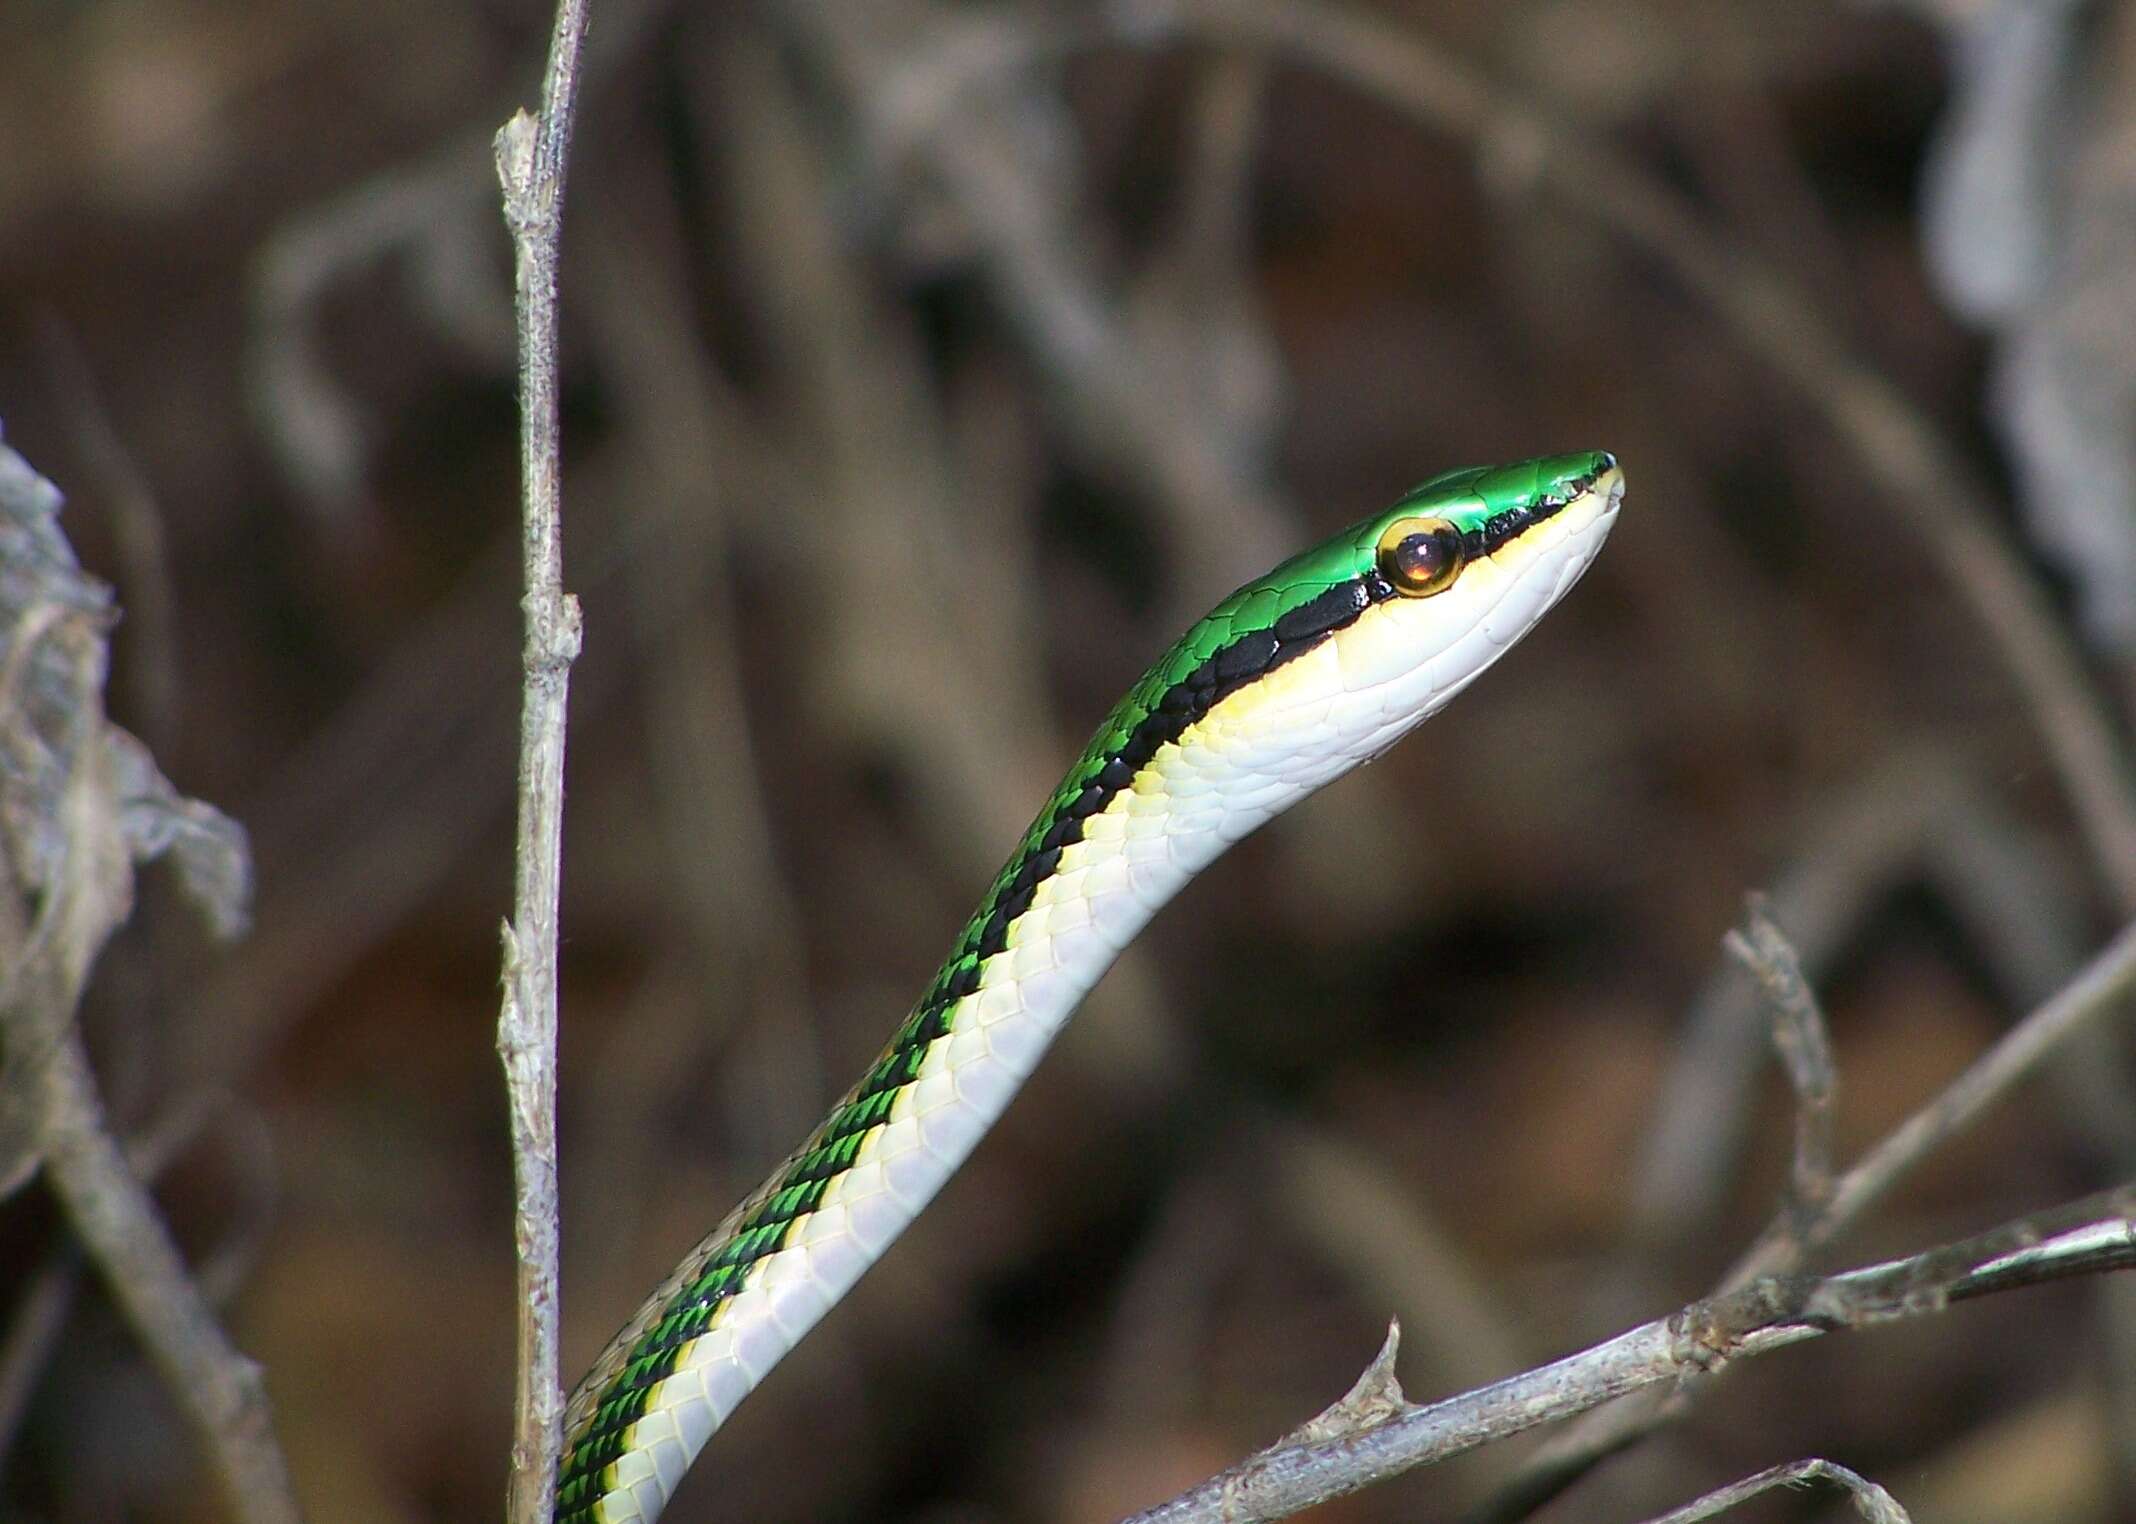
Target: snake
1293, 680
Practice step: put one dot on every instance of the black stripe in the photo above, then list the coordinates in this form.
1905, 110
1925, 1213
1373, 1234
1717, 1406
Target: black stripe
1500, 529
1333, 609
1232, 666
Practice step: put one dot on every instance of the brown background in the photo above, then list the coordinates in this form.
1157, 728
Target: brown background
925, 371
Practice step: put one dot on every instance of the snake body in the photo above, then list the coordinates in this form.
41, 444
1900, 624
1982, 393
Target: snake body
1288, 683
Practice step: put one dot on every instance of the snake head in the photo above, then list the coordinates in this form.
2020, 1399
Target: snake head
1379, 626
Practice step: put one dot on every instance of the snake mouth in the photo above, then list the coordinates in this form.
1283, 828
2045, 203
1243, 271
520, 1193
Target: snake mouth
1587, 516
1561, 537
1605, 480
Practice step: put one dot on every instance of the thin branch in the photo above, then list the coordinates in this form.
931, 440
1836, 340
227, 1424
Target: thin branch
82, 801
531, 156
1848, 857
1870, 1501
40, 1315
1330, 1460
2049, 1245
1805, 1051
117, 1222
2100, 990
1918, 817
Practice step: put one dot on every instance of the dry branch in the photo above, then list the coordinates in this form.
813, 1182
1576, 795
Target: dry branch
1920, 816
1756, 1308
1805, 1050
531, 156
1334, 1457
2098, 993
1871, 1502
80, 802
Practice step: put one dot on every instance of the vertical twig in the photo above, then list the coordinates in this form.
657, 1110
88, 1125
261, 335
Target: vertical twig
1799, 1035
531, 154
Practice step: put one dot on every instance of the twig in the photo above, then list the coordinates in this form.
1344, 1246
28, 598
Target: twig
117, 1222
40, 1314
531, 155
1331, 1460
1919, 816
1805, 1053
1847, 862
82, 801
1870, 1501
2100, 989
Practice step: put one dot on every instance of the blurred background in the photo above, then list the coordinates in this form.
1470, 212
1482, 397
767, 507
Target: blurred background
928, 366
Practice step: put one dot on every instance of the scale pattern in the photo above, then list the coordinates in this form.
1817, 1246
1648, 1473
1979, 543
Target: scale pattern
1290, 681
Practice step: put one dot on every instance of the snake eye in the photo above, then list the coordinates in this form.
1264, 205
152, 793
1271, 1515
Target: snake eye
1420, 556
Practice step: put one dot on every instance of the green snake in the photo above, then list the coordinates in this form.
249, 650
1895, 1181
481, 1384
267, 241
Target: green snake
1290, 682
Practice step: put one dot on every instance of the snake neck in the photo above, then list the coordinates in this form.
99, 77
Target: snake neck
1142, 810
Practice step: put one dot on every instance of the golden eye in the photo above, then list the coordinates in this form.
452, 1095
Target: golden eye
1420, 556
